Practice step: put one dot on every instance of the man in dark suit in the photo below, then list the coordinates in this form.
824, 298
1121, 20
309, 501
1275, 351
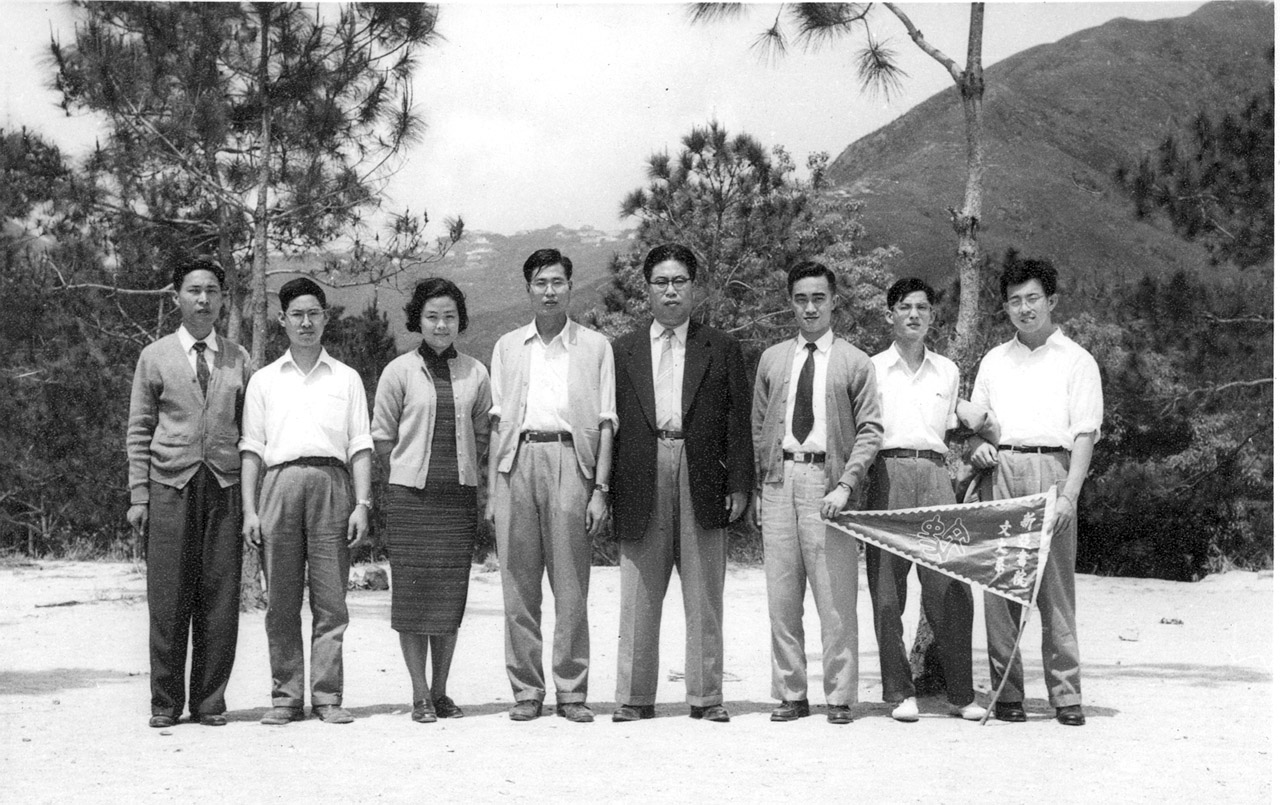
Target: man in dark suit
683, 472
184, 494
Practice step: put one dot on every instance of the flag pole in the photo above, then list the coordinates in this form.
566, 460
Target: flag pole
1046, 538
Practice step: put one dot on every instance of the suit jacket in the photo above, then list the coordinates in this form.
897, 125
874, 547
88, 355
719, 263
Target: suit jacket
173, 429
854, 430
716, 418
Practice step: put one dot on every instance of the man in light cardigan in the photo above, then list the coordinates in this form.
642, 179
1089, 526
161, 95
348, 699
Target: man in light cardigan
184, 496
815, 422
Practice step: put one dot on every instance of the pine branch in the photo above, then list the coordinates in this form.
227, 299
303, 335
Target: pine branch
918, 37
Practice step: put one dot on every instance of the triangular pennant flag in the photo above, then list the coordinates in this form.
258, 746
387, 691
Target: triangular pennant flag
1000, 545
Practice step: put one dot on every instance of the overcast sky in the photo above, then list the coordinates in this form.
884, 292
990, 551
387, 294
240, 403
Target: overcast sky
545, 114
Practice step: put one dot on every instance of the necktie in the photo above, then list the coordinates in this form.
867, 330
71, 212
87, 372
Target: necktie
802, 417
202, 368
665, 393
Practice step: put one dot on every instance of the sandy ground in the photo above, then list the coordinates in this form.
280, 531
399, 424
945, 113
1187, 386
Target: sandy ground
1177, 711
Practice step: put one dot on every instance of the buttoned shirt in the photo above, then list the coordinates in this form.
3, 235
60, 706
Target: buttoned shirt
289, 414
1044, 397
816, 442
917, 408
547, 406
677, 356
189, 342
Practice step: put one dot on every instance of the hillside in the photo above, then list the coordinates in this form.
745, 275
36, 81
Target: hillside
1059, 119
487, 267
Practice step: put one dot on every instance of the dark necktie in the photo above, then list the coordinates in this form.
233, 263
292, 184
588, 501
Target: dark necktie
802, 417
202, 368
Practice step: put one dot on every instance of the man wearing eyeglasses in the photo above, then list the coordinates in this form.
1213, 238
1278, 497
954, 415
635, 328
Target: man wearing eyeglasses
682, 473
1046, 392
306, 420
553, 418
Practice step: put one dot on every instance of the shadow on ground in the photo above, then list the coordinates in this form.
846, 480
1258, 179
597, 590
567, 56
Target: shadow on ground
37, 683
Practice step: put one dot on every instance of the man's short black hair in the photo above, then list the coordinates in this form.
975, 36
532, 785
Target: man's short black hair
810, 268
186, 265
301, 286
1020, 270
434, 288
905, 287
544, 258
670, 251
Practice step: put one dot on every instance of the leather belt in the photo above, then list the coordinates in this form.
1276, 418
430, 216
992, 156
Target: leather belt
545, 436
804, 458
670, 434
315, 461
902, 452
1032, 449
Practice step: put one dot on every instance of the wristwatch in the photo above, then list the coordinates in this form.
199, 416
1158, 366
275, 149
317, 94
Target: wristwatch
368, 504
603, 488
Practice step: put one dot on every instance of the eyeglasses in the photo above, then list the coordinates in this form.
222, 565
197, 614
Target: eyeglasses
299, 316
675, 282
556, 284
1031, 300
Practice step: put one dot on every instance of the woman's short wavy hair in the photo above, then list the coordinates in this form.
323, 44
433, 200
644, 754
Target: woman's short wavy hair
433, 288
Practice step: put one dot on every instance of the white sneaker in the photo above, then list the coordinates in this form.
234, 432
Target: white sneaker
906, 710
970, 712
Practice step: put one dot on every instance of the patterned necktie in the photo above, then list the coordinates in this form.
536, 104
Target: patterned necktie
665, 398
202, 368
802, 417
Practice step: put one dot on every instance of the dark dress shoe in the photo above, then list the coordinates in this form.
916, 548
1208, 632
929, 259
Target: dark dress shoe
1071, 716
525, 710
576, 712
423, 712
1010, 711
790, 711
212, 720
712, 712
839, 714
160, 721
633, 712
445, 708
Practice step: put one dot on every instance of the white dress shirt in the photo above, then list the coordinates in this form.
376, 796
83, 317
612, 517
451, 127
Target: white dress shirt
916, 408
189, 342
1044, 397
548, 382
290, 415
816, 442
678, 342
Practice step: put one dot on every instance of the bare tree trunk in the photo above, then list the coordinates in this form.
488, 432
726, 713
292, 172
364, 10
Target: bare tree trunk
251, 594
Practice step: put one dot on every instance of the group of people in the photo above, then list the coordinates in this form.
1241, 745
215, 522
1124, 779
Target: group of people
661, 431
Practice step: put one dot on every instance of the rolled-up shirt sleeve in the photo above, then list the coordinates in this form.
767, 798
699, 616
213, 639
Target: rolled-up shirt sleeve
1084, 404
608, 390
253, 428
358, 436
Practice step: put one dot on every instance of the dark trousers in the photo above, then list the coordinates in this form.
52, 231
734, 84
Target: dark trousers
193, 590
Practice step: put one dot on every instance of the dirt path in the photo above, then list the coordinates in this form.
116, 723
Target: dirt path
1178, 711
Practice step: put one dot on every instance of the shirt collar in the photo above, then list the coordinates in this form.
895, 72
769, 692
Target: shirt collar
188, 340
681, 331
566, 334
824, 343
287, 360
1055, 339
899, 359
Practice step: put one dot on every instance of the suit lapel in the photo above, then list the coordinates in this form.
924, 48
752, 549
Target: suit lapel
697, 356
639, 368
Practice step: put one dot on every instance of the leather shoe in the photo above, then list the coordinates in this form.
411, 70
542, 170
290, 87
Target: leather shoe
633, 712
1071, 716
712, 712
423, 712
525, 710
839, 714
277, 716
790, 710
160, 721
576, 712
445, 708
1010, 711
212, 719
331, 713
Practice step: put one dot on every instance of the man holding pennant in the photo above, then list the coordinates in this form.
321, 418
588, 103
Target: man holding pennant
1046, 392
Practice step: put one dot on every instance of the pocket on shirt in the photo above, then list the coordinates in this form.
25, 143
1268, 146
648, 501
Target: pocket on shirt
332, 413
